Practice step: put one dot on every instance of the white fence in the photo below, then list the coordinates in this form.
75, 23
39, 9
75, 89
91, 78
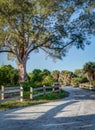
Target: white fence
42, 91
11, 93
16, 93
87, 86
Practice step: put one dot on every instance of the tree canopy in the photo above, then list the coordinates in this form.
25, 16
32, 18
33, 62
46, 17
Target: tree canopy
27, 26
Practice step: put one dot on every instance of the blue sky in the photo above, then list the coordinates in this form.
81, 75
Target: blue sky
75, 59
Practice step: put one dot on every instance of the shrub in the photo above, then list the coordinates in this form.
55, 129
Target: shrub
26, 86
77, 80
83, 79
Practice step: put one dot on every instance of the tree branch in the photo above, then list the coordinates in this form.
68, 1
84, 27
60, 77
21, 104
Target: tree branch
1, 51
35, 47
61, 48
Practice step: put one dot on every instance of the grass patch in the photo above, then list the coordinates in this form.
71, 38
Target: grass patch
52, 96
27, 102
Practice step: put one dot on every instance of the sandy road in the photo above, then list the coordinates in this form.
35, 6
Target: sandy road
75, 112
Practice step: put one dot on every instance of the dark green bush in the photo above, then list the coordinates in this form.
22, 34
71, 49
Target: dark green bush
83, 79
26, 86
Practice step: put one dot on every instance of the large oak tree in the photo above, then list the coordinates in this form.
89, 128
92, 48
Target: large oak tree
29, 25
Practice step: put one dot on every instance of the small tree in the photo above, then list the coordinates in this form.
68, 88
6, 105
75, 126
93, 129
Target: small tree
8, 74
39, 78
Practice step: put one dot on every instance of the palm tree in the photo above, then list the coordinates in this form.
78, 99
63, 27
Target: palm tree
65, 77
55, 74
89, 70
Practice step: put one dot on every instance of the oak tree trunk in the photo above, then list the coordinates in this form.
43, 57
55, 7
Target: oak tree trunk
22, 72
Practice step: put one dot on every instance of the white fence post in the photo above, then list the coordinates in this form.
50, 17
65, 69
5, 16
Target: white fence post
21, 93
31, 93
44, 90
2, 92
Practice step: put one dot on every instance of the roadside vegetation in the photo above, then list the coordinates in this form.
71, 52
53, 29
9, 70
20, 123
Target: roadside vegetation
28, 26
37, 100
38, 78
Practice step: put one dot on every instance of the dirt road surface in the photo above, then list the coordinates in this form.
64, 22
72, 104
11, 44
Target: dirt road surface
75, 112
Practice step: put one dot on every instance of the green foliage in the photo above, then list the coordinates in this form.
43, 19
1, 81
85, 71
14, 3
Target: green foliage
8, 75
48, 80
92, 82
23, 28
26, 86
65, 77
83, 79
55, 74
78, 72
39, 78
77, 80
89, 70
28, 25
35, 78
37, 100
52, 96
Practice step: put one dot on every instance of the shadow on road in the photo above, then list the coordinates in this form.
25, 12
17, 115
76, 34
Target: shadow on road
48, 120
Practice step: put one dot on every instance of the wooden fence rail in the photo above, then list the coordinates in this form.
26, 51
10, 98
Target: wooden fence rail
10, 91
87, 86
42, 91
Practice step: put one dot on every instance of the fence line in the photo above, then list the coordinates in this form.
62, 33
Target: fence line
6, 93
11, 90
87, 86
35, 89
44, 91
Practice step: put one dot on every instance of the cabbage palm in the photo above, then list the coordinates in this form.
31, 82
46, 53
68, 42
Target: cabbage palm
65, 77
89, 70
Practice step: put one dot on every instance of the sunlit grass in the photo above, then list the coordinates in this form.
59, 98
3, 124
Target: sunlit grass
36, 100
